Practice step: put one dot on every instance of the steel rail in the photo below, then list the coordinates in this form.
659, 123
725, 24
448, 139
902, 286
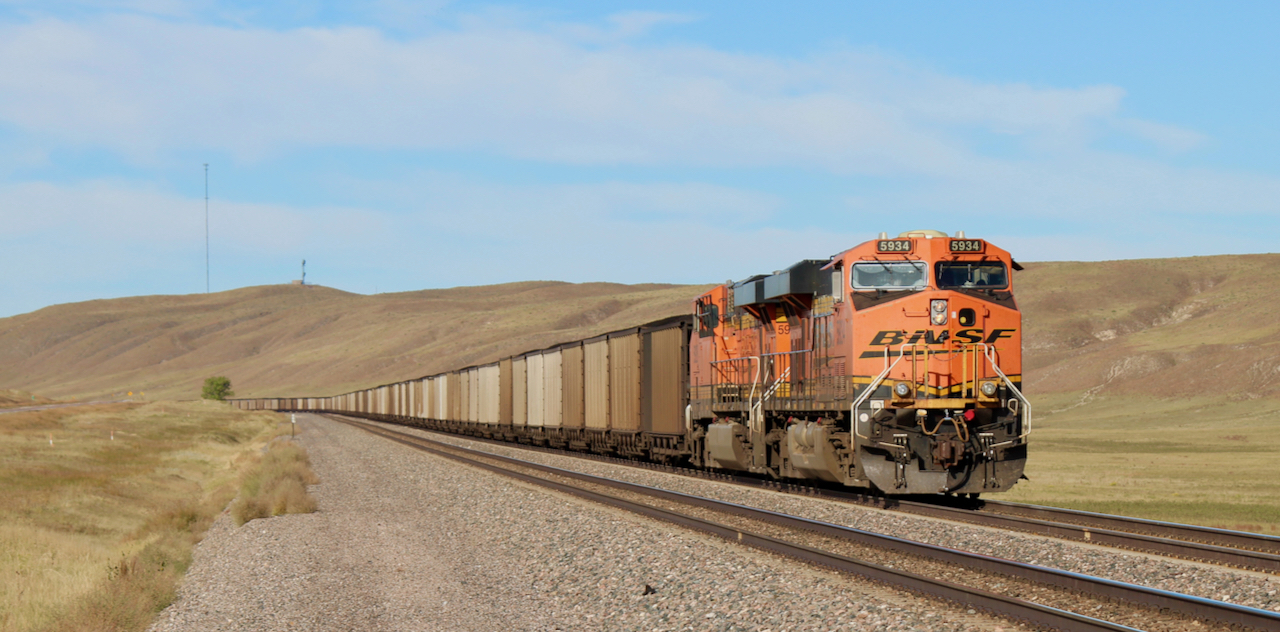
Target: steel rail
999, 605
1185, 605
1163, 545
1237, 549
1208, 535
1231, 548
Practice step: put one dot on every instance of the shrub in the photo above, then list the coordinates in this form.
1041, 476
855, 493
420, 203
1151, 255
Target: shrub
277, 485
218, 388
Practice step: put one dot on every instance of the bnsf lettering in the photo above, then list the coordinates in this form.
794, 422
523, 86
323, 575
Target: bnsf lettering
894, 338
891, 338
929, 337
997, 334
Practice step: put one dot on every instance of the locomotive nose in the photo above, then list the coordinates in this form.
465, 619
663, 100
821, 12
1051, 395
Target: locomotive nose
938, 311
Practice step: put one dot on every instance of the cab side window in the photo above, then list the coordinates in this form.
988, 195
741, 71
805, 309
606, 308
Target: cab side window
708, 318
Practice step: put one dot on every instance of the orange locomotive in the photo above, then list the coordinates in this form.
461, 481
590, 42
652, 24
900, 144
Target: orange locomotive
895, 365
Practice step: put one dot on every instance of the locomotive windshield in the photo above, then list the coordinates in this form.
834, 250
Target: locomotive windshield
978, 275
888, 275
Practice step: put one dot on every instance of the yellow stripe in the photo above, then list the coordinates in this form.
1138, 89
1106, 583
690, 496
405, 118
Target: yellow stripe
933, 390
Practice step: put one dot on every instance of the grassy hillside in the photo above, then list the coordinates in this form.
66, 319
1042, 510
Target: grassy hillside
10, 398
1160, 327
1195, 327
1155, 383
304, 340
1156, 388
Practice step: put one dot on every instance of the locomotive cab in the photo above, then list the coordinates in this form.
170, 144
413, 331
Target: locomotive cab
895, 365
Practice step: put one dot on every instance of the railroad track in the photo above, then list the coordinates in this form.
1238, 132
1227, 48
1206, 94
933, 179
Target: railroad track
1191, 542
1225, 538
1236, 549
828, 545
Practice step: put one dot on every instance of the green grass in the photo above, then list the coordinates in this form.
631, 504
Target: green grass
1205, 462
96, 532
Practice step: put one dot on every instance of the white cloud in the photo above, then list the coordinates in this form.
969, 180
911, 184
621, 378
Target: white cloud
620, 27
150, 88
66, 243
144, 87
1169, 137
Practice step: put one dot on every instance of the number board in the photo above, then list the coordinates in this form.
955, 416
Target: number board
894, 245
967, 245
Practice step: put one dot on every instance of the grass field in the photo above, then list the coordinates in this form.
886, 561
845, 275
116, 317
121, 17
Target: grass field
95, 530
1155, 386
1208, 462
10, 398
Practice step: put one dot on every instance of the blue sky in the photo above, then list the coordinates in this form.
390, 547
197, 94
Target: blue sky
400, 146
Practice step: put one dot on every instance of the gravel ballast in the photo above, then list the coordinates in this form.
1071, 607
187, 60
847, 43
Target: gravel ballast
405, 540
1254, 589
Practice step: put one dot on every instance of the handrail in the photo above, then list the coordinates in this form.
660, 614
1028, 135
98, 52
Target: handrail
990, 352
873, 385
778, 353
757, 409
754, 380
773, 366
776, 383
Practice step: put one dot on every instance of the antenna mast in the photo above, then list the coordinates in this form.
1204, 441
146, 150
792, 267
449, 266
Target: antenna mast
206, 228
304, 271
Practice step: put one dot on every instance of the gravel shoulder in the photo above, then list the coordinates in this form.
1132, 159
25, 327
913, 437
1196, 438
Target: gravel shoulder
408, 541
1250, 588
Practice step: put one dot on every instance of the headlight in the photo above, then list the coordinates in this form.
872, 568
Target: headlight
902, 389
988, 389
938, 311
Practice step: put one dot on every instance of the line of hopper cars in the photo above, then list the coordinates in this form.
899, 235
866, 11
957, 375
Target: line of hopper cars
895, 365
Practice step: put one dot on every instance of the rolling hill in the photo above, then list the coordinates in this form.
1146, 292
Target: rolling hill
1202, 326
303, 339
1155, 384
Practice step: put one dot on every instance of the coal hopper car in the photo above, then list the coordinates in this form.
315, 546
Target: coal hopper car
895, 366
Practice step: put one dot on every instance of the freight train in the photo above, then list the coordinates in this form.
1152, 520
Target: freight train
895, 366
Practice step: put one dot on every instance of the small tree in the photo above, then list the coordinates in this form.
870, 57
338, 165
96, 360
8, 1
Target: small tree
218, 388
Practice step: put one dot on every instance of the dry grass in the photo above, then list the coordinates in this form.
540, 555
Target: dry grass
95, 532
1199, 461
1141, 327
11, 398
1162, 328
1157, 388
276, 484
1163, 371
275, 339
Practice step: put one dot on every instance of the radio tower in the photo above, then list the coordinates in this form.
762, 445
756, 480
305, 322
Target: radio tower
206, 228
